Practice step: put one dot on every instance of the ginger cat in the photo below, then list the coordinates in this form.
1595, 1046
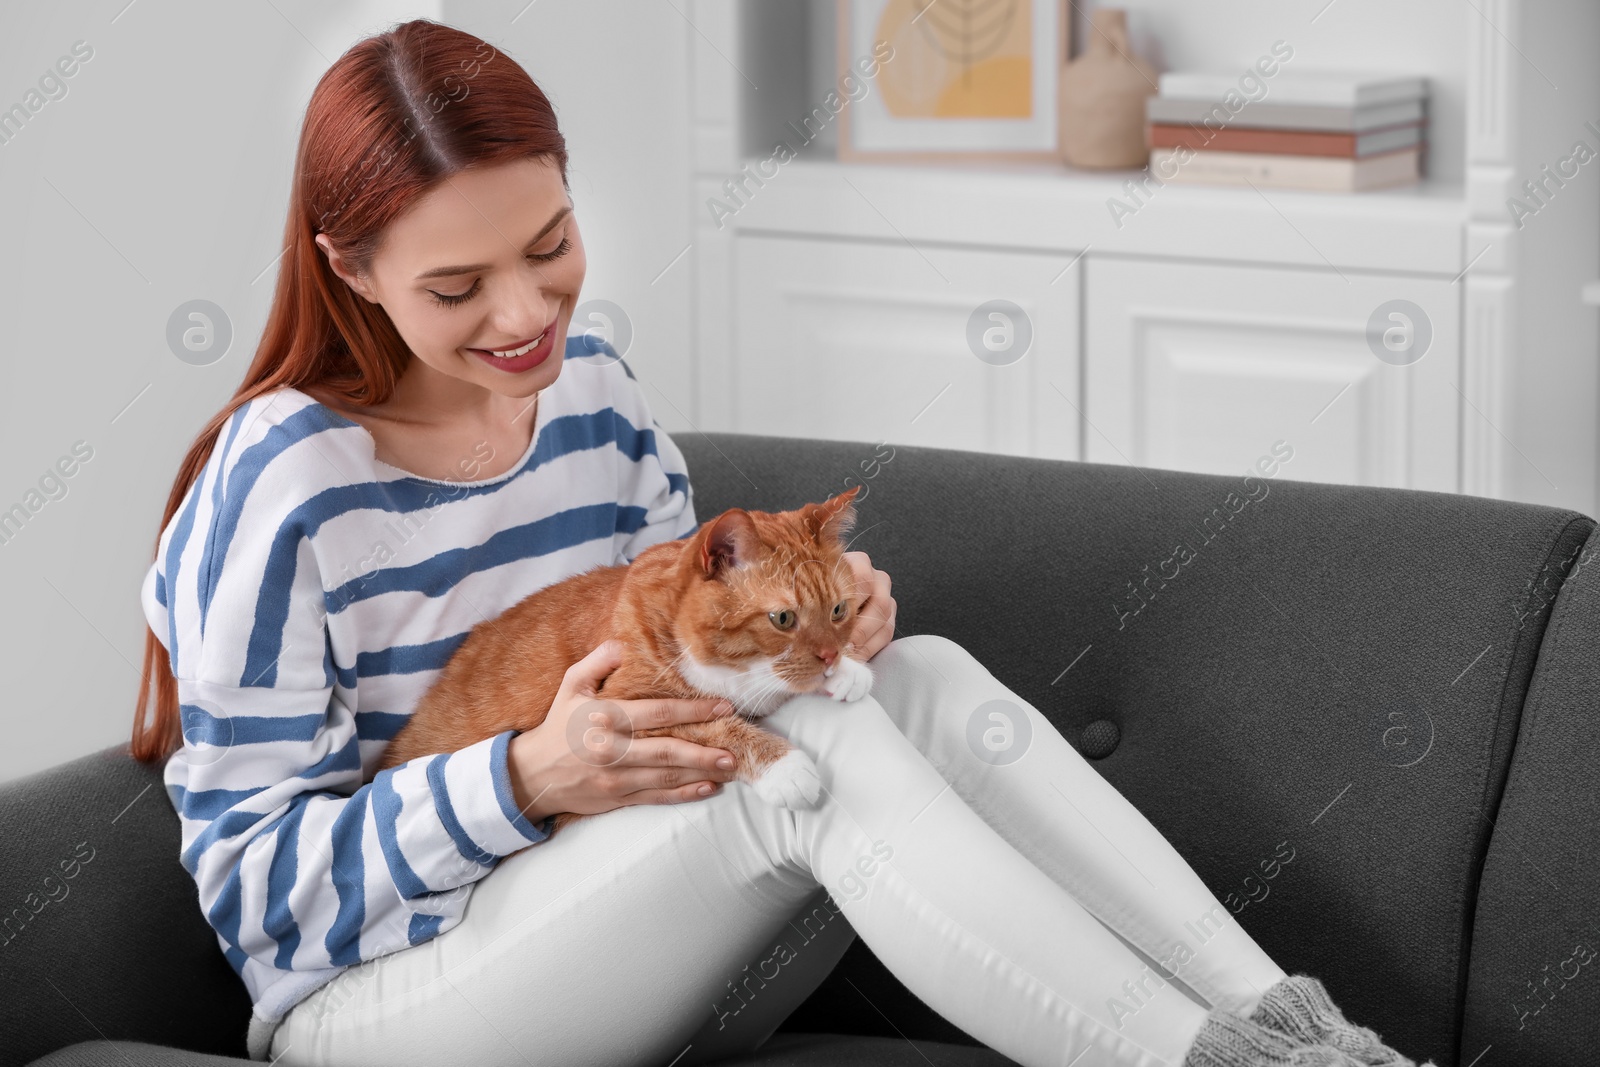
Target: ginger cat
755, 607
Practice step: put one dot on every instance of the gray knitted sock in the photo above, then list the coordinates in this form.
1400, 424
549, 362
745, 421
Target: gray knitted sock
1299, 1007
1228, 1040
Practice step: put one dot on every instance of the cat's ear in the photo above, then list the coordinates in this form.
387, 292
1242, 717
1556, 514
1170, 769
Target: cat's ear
833, 518
729, 541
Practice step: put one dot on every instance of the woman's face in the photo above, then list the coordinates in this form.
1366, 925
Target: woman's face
490, 259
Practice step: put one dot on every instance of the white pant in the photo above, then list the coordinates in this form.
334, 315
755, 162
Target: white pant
675, 934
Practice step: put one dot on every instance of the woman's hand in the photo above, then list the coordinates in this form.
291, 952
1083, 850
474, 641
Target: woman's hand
583, 757
874, 626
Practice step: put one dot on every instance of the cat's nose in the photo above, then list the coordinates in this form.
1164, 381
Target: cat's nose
828, 655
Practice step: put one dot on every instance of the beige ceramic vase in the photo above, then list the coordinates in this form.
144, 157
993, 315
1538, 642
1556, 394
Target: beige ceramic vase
1102, 98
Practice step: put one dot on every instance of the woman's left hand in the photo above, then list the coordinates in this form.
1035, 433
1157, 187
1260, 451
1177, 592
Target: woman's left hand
874, 625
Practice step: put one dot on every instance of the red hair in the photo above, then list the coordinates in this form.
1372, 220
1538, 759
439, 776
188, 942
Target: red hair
394, 116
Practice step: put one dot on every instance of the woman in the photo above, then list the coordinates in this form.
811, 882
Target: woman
416, 447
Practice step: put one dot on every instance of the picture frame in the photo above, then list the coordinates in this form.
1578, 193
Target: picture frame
962, 80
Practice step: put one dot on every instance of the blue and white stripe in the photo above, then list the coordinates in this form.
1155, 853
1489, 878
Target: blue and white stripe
308, 595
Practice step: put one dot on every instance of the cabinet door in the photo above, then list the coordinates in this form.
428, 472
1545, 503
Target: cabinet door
1202, 368
861, 341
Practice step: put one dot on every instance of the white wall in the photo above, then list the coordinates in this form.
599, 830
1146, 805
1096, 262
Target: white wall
617, 72
1552, 377
161, 176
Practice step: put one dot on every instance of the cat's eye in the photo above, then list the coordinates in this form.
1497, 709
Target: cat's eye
783, 619
840, 610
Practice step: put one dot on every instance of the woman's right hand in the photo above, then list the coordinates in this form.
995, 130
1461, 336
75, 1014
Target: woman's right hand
583, 757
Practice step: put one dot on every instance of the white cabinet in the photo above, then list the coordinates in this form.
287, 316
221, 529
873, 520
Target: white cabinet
1202, 367
831, 297
867, 341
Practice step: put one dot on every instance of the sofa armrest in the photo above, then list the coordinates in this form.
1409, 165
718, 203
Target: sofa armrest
1533, 989
102, 937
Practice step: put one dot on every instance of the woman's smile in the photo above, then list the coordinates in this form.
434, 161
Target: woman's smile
519, 357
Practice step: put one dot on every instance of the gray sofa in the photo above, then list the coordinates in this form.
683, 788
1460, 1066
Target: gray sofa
1399, 690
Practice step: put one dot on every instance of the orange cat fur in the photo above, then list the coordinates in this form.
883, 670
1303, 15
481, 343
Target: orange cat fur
755, 607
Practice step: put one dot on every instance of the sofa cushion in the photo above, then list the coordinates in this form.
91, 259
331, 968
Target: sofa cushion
1314, 688
1534, 994
104, 937
132, 1054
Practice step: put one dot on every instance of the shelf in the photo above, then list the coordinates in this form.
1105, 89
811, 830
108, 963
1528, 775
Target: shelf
1050, 208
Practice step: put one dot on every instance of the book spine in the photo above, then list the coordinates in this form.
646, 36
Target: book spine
1285, 172
1210, 90
1276, 142
1159, 110
1303, 94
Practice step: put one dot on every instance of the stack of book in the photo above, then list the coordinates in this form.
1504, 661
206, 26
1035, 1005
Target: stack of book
1306, 130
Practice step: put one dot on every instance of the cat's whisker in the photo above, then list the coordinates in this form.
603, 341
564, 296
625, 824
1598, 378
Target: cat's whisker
748, 688
672, 668
775, 685
752, 688
862, 533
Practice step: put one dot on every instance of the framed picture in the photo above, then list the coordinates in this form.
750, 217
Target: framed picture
954, 79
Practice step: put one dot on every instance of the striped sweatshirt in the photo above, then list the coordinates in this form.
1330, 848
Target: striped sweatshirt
308, 594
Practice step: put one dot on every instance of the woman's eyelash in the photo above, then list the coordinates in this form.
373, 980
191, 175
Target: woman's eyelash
449, 300
452, 299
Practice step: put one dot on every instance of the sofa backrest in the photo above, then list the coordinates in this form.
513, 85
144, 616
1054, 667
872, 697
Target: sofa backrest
1265, 667
1534, 994
103, 936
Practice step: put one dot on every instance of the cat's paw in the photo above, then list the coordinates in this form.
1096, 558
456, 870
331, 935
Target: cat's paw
791, 781
851, 680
